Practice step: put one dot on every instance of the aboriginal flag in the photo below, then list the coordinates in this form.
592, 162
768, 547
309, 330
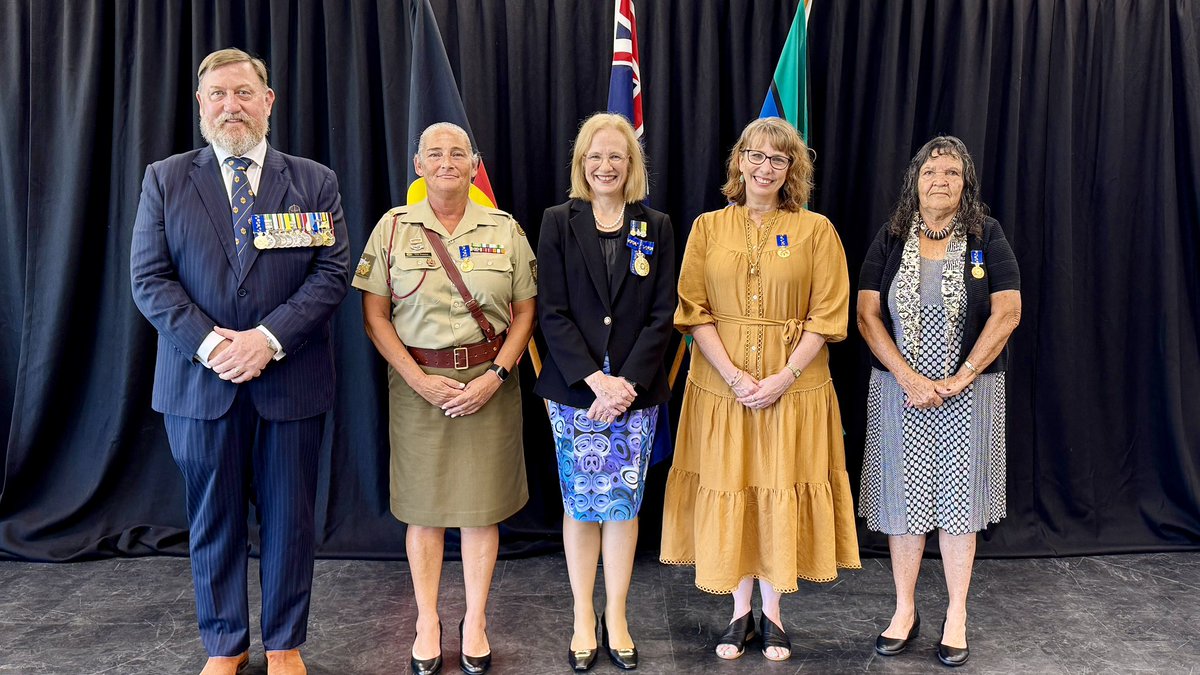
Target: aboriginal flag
433, 97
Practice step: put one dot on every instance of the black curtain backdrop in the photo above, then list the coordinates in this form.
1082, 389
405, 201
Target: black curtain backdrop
1083, 117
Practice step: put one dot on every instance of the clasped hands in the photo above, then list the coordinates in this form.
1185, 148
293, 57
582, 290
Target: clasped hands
614, 395
455, 398
924, 393
760, 394
241, 356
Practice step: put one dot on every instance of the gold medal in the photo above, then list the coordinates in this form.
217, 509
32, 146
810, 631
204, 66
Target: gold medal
641, 266
467, 265
783, 252
977, 272
327, 237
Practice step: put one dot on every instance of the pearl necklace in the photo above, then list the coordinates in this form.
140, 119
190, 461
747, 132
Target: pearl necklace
614, 225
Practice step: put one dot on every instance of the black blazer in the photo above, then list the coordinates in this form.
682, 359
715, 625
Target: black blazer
583, 318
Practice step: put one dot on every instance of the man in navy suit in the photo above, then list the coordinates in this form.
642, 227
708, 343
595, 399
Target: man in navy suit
245, 363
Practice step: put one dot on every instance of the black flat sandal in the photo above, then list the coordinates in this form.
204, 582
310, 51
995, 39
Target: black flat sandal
738, 633
774, 636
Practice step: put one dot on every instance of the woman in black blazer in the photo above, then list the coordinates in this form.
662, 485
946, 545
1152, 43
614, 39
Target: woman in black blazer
606, 298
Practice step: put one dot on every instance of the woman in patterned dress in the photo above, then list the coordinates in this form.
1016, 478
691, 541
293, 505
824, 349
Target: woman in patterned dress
607, 291
934, 456
758, 488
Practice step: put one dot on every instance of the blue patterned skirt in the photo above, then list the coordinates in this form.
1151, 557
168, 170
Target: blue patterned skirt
601, 465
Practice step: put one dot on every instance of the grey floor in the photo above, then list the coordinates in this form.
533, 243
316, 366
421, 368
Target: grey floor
1118, 614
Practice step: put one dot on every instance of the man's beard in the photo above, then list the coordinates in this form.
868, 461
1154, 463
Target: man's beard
236, 142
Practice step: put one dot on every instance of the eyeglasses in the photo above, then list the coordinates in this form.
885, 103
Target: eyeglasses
777, 161
614, 159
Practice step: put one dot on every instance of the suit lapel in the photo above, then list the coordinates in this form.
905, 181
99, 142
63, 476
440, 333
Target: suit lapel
583, 226
633, 212
206, 176
273, 184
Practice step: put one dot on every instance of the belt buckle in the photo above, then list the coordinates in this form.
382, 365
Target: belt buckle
466, 362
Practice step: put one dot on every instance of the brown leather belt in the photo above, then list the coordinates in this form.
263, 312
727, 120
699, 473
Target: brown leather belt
458, 358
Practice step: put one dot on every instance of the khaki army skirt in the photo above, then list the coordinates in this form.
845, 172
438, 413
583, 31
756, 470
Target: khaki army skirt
456, 472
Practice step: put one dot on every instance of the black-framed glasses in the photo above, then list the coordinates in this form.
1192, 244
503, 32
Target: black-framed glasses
780, 162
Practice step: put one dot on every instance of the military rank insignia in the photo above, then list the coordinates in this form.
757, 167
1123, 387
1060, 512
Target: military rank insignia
365, 263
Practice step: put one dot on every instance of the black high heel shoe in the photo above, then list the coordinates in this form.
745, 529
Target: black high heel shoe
738, 633
625, 659
472, 665
951, 656
582, 660
886, 646
428, 666
774, 636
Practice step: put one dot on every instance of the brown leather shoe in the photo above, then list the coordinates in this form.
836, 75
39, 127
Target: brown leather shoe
285, 663
226, 665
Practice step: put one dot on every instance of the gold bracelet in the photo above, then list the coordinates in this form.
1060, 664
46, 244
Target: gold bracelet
970, 367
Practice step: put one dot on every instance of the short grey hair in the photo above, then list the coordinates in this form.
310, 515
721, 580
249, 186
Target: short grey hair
423, 141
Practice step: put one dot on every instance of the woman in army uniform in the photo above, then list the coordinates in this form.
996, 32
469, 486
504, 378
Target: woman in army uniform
455, 413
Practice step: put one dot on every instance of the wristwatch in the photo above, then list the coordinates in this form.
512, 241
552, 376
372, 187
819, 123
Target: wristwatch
500, 371
795, 371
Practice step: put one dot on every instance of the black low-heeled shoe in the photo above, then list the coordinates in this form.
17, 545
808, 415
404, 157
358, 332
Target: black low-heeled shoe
738, 633
886, 646
952, 656
583, 659
625, 659
774, 636
472, 665
428, 666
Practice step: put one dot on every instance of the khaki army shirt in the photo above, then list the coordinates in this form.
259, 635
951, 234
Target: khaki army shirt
492, 254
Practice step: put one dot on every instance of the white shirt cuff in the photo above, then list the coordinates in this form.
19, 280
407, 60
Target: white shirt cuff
210, 343
274, 344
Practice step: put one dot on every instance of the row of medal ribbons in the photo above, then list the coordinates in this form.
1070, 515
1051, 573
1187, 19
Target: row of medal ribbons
292, 230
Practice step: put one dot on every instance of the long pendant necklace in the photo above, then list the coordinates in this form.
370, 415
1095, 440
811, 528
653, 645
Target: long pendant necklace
756, 244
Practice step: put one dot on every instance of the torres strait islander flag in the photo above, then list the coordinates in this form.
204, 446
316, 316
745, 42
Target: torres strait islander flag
788, 95
433, 97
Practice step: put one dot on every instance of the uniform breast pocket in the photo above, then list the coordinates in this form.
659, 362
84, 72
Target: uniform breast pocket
410, 280
490, 279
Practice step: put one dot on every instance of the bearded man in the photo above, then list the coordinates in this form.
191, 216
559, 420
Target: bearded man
244, 374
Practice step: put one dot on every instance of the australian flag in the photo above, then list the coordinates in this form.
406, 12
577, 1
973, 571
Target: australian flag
625, 84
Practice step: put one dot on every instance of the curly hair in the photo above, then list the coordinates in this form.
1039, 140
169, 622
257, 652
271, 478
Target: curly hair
782, 136
971, 210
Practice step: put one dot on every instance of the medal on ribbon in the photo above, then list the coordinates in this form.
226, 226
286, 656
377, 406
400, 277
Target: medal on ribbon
641, 247
292, 230
977, 264
781, 246
464, 254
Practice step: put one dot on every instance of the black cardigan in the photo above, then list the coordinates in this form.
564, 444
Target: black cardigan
1000, 274
583, 316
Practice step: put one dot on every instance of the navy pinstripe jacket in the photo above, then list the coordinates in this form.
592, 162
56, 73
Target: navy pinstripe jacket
186, 279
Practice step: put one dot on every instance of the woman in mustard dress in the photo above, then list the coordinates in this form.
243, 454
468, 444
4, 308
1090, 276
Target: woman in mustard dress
758, 488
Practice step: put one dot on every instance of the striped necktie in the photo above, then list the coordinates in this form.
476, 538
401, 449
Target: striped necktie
243, 202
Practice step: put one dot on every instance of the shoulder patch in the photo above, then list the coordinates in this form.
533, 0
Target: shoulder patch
365, 263
521, 232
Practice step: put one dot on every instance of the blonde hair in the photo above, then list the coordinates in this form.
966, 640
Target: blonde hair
225, 57
636, 180
782, 136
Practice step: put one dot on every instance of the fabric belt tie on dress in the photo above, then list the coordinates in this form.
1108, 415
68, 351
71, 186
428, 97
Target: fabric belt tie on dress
458, 358
791, 327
